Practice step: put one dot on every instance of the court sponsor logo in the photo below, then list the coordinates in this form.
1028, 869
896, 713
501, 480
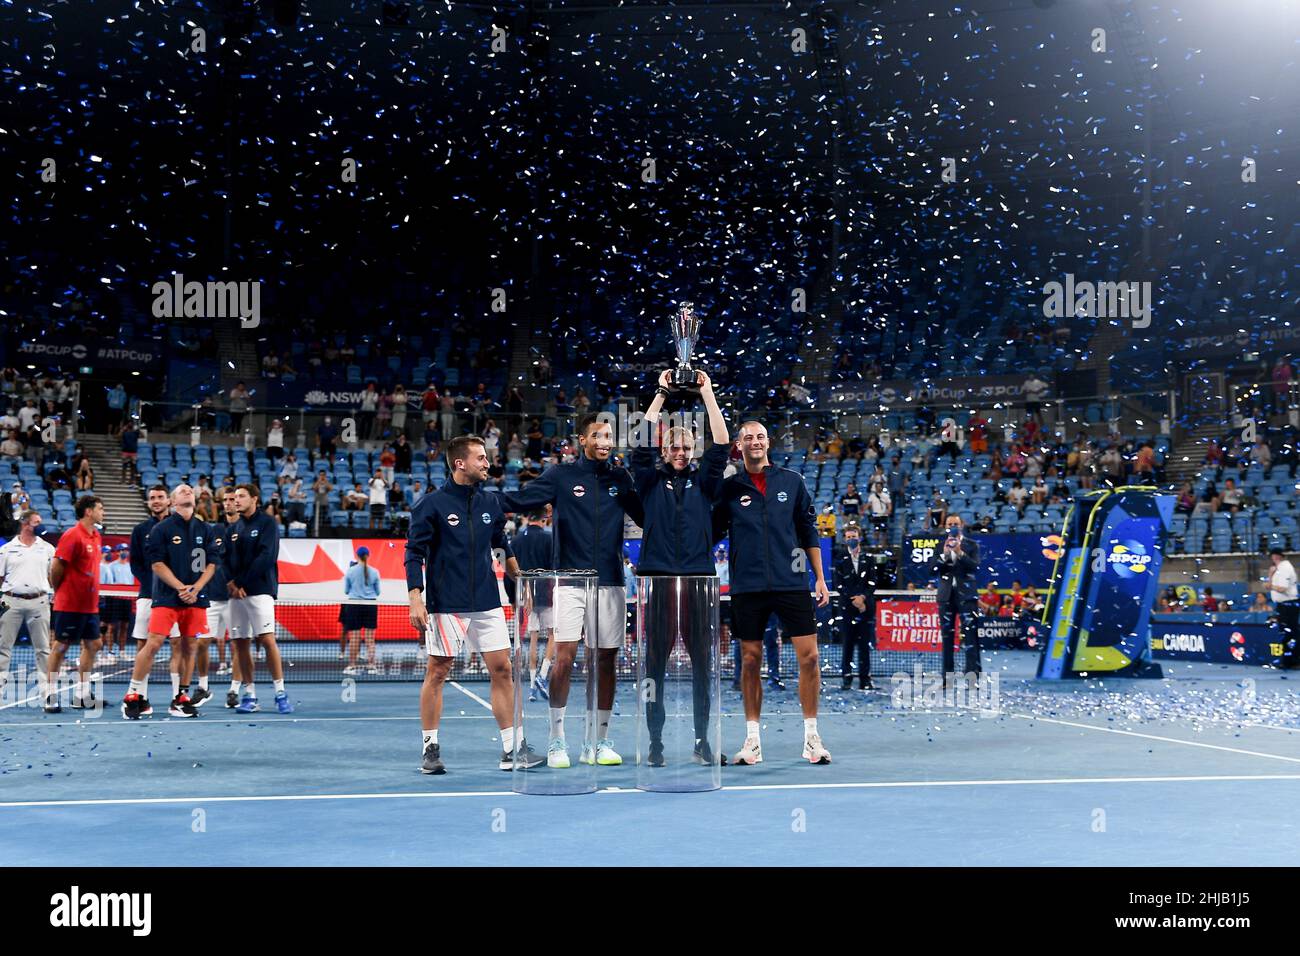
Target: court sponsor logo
1128, 559
1053, 546
932, 693
77, 909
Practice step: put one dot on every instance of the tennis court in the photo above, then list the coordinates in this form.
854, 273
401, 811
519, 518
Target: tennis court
1194, 769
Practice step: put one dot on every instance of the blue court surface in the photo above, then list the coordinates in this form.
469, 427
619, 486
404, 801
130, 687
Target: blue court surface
1202, 768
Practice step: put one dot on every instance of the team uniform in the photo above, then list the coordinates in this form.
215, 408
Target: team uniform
143, 572
186, 548
76, 602
249, 557
215, 592
449, 558
533, 545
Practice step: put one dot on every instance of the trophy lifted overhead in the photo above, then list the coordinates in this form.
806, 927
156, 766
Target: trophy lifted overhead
685, 332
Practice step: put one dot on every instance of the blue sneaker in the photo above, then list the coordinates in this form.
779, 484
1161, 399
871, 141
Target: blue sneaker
247, 705
544, 687
532, 693
282, 702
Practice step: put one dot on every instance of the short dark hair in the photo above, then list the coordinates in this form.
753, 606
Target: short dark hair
160, 487
586, 421
458, 447
251, 488
86, 503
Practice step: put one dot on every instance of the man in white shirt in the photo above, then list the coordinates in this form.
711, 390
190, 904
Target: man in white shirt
28, 415
8, 421
378, 499
1016, 497
1282, 587
11, 447
879, 506
25, 589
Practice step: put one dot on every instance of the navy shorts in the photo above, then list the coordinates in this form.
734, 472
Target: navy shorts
750, 613
73, 627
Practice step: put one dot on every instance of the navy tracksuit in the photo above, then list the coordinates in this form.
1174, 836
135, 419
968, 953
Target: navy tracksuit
533, 544
186, 548
677, 540
251, 550
766, 532
449, 552
140, 567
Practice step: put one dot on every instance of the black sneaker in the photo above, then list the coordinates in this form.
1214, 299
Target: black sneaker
232, 699
52, 705
704, 754
201, 697
181, 706
775, 683
528, 759
846, 683
432, 762
655, 757
866, 684
134, 707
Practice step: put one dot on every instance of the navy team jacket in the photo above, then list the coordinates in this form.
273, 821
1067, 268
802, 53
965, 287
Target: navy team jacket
449, 550
187, 548
766, 531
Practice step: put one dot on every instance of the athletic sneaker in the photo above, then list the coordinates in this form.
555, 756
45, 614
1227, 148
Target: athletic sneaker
866, 684
655, 758
374, 669
343, 656
134, 707
704, 754
432, 762
532, 694
109, 658
351, 671
52, 705
84, 703
544, 688
604, 754
775, 683
750, 754
813, 751
232, 699
247, 705
201, 697
557, 755
282, 703
528, 759
223, 669
181, 706
847, 683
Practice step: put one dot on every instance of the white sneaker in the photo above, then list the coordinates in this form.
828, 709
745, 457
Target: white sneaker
342, 656
109, 658
557, 755
350, 671
223, 669
374, 669
813, 751
750, 754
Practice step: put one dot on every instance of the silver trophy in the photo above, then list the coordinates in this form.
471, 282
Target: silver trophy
684, 324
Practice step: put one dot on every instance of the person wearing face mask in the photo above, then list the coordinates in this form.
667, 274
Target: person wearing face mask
955, 565
676, 540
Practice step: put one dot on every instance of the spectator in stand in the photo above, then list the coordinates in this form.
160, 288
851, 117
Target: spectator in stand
9, 421
447, 416
402, 455
11, 448
1038, 493
1112, 464
1034, 390
1213, 455
990, 601
429, 404
289, 467
399, 400
1186, 500
28, 415
321, 489
295, 504
880, 506
534, 450
366, 411
275, 441
851, 501
491, 440
1015, 463
116, 408
1033, 604
1017, 496
378, 500
383, 415
530, 471
238, 408
1144, 464
1260, 605
356, 499
275, 507
1231, 498
515, 409
130, 452
581, 403
1262, 455
826, 522
326, 434
515, 450
1282, 586
1209, 603
85, 476
978, 428
949, 439
206, 508
19, 500
387, 464
983, 526
270, 364
938, 511
432, 439
417, 492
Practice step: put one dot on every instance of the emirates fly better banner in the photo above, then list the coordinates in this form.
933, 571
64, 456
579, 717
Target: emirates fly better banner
908, 621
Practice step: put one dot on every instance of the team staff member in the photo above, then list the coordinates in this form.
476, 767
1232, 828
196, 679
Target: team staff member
855, 580
180, 551
249, 557
532, 546
676, 540
360, 583
455, 598
956, 564
767, 514
158, 501
74, 573
25, 594
590, 497
1282, 586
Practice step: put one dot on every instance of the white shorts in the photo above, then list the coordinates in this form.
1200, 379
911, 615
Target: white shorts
571, 612
251, 616
143, 608
541, 619
218, 619
483, 631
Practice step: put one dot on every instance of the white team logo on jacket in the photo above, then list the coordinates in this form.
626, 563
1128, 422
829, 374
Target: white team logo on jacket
487, 518
453, 519
745, 501
579, 491
782, 496
613, 491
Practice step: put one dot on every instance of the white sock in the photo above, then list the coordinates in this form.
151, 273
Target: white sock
234, 687
279, 686
809, 727
508, 739
751, 730
140, 687
430, 737
83, 687
603, 716
557, 723
203, 682
250, 690
546, 668
532, 676
176, 683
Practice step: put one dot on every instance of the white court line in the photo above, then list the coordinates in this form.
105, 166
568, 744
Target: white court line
1168, 740
470, 694
878, 785
278, 721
